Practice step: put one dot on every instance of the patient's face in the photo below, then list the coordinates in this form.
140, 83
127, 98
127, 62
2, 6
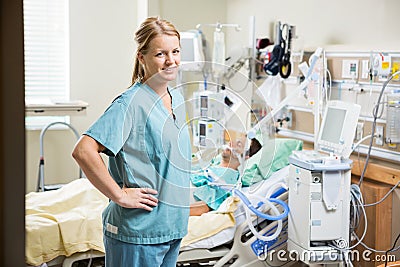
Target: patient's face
233, 150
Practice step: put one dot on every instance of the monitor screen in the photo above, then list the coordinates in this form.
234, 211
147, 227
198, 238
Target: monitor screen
202, 129
204, 101
338, 127
187, 51
192, 57
333, 127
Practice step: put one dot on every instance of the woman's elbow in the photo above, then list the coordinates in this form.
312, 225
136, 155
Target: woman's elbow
77, 152
82, 147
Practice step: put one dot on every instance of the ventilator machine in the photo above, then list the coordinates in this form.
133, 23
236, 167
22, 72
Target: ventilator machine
319, 189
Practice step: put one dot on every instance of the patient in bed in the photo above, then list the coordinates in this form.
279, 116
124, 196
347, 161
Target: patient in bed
264, 157
209, 196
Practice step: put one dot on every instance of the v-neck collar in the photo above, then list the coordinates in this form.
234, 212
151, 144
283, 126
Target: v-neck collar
159, 102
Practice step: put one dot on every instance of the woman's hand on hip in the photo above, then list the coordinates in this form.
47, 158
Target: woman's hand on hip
138, 198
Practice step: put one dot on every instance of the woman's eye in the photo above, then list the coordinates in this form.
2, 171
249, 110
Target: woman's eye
159, 54
176, 51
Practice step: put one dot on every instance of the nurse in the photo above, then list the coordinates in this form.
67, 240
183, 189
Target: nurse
145, 136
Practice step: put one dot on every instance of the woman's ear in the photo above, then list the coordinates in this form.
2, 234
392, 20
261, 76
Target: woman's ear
140, 57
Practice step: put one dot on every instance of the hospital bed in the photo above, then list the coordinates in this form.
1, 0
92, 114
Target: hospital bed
63, 222
64, 226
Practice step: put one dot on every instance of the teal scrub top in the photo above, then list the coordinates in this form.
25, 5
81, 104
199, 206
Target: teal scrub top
213, 195
147, 147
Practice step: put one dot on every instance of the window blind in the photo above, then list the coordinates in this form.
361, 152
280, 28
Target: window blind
46, 51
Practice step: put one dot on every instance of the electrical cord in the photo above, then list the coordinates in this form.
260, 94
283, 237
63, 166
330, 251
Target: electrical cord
375, 116
357, 204
381, 113
354, 208
356, 197
362, 140
390, 250
330, 85
375, 250
384, 197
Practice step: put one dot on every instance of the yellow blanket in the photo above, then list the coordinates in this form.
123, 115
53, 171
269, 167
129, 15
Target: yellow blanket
210, 223
63, 221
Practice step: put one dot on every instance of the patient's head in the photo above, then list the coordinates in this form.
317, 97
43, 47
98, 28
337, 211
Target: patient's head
255, 146
231, 155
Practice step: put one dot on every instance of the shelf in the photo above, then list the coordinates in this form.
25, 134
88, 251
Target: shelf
72, 108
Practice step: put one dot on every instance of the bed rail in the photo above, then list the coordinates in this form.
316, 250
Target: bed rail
40, 184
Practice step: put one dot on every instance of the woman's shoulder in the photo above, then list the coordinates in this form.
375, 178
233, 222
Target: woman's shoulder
126, 96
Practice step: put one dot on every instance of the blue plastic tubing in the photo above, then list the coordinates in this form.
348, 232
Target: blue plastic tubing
271, 199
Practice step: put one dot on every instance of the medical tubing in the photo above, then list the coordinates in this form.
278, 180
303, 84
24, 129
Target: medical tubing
259, 213
254, 231
274, 187
279, 192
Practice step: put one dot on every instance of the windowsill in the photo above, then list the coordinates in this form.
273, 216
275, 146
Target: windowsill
71, 108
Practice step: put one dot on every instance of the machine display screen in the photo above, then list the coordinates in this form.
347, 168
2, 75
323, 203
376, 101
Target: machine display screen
187, 52
203, 101
202, 129
333, 126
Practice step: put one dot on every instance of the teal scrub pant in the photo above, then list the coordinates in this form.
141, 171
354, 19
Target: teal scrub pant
124, 254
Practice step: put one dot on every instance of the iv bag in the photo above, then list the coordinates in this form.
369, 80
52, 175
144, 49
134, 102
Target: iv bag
218, 57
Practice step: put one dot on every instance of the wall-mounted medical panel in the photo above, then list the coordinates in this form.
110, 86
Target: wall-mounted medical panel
359, 77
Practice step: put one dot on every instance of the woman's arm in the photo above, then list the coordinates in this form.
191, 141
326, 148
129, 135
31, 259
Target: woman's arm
198, 208
87, 155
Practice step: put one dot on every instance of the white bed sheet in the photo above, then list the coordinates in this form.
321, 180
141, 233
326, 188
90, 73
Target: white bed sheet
227, 235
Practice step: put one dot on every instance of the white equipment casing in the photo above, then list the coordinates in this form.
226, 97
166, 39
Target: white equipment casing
209, 105
313, 223
208, 134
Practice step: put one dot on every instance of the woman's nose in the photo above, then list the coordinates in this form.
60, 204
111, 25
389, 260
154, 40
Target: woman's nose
169, 59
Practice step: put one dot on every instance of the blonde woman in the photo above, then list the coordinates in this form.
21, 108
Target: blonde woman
146, 138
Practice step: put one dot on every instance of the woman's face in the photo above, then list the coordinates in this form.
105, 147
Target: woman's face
162, 59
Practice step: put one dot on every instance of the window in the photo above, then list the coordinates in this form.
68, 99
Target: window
46, 48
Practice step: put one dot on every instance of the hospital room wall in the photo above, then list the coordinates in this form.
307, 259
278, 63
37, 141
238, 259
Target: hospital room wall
101, 58
102, 49
320, 23
101, 52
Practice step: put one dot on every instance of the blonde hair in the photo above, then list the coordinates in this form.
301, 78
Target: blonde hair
151, 28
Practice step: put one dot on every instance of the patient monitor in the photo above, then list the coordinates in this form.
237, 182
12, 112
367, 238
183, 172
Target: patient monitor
192, 57
208, 133
211, 110
319, 189
338, 128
